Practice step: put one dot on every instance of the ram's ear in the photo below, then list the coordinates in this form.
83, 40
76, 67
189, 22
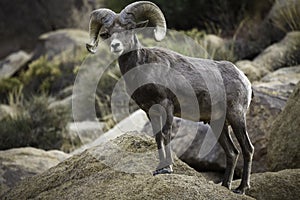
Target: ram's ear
142, 24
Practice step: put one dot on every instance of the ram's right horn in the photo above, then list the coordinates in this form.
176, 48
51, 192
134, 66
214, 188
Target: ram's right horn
99, 18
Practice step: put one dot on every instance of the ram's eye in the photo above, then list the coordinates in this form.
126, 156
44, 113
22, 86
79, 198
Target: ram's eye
104, 35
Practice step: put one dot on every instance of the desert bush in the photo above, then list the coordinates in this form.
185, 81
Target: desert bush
44, 75
287, 15
40, 75
36, 125
50, 76
68, 61
15, 132
8, 85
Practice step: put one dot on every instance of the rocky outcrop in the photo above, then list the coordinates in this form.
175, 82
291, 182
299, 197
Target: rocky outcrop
279, 55
274, 185
119, 169
281, 82
263, 110
284, 142
87, 131
290, 75
54, 43
20, 30
12, 63
282, 54
135, 122
18, 164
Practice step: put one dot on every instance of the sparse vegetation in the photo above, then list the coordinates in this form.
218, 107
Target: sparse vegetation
35, 125
287, 15
51, 76
41, 75
8, 85
213, 45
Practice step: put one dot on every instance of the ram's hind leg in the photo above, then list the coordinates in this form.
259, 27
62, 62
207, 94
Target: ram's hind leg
238, 125
161, 117
231, 152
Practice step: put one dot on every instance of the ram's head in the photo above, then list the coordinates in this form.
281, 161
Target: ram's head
119, 28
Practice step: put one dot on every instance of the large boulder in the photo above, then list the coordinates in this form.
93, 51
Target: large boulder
290, 75
135, 122
285, 53
282, 54
87, 131
13, 63
18, 164
263, 110
281, 82
284, 142
119, 169
53, 43
20, 30
274, 185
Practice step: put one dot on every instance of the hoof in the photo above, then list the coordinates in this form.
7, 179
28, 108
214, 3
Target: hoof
239, 190
227, 185
165, 170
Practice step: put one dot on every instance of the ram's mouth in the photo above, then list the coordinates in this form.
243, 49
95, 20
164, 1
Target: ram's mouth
117, 51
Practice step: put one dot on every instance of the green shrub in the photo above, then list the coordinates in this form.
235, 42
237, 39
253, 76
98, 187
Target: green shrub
8, 85
40, 75
35, 125
51, 76
44, 75
68, 61
15, 132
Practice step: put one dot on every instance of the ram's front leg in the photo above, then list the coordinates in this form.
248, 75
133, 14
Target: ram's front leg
161, 116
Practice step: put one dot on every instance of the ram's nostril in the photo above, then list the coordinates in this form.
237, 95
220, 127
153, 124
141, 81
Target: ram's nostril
115, 45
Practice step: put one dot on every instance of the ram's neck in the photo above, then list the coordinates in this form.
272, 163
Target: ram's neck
130, 59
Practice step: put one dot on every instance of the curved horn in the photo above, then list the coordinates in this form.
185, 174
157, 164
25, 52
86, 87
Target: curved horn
145, 10
99, 18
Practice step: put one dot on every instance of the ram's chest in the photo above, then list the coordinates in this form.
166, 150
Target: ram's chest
147, 95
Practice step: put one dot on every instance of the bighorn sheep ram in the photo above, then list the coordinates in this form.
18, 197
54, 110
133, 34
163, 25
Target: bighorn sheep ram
120, 31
